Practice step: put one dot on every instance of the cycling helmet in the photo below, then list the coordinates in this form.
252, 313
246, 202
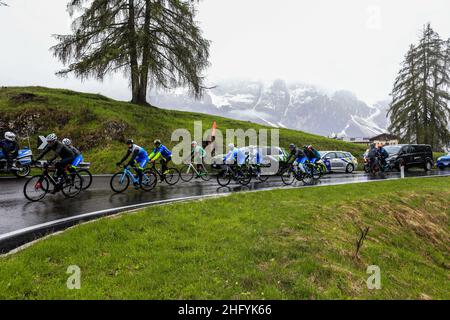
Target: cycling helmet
10, 136
310, 147
51, 137
130, 141
194, 143
292, 146
67, 142
231, 146
157, 142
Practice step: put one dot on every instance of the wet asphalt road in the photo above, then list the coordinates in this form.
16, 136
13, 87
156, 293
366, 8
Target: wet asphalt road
17, 213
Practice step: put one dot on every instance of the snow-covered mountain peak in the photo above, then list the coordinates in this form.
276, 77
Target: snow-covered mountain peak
280, 103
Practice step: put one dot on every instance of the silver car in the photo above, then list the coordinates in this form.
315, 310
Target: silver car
339, 161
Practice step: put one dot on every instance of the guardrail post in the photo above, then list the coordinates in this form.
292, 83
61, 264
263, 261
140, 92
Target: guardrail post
402, 172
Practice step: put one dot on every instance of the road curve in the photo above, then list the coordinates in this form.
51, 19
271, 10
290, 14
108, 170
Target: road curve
16, 213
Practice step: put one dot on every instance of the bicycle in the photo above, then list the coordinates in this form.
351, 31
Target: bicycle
85, 175
39, 186
289, 174
235, 173
171, 177
292, 173
192, 171
121, 180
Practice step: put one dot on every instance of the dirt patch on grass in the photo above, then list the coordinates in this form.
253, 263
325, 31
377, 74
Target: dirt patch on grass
29, 122
113, 130
431, 226
26, 97
424, 214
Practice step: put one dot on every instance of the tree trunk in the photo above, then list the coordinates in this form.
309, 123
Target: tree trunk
143, 80
132, 40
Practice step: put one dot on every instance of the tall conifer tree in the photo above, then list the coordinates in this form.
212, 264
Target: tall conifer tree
154, 42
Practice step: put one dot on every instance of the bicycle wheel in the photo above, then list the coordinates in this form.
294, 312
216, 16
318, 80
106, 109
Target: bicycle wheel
244, 177
73, 185
288, 176
119, 182
224, 178
307, 178
36, 188
149, 180
205, 176
322, 169
187, 173
87, 178
172, 177
315, 172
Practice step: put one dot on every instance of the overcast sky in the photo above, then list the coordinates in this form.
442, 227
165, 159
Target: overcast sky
347, 44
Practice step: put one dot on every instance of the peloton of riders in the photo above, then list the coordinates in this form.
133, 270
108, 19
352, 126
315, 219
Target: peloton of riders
71, 157
303, 156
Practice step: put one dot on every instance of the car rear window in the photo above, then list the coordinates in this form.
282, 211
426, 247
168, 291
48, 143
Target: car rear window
393, 149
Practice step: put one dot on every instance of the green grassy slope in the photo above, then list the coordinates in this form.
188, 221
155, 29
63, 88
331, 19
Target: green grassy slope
97, 124
284, 244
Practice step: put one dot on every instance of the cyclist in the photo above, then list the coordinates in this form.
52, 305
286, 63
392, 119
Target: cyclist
78, 154
139, 157
65, 153
383, 155
161, 151
234, 154
297, 155
372, 155
312, 154
256, 160
198, 154
10, 148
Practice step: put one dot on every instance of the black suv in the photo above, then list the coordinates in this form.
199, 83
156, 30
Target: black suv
410, 155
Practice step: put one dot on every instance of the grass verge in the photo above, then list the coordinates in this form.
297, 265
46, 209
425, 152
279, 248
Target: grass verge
282, 244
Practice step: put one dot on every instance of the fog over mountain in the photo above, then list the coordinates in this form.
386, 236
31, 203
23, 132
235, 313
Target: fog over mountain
283, 104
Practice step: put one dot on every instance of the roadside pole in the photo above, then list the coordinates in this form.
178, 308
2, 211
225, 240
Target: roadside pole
402, 172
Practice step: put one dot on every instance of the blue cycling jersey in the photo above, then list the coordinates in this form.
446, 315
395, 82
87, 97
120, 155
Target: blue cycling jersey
161, 150
78, 160
237, 155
